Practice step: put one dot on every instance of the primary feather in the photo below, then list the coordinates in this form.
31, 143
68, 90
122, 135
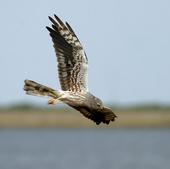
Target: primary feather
72, 61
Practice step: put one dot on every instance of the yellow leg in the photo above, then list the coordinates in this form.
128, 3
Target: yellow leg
53, 101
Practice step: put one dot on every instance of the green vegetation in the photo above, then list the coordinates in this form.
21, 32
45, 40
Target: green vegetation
140, 107
33, 116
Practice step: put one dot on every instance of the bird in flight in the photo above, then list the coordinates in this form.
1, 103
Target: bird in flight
72, 71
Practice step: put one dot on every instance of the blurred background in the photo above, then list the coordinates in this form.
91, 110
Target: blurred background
127, 44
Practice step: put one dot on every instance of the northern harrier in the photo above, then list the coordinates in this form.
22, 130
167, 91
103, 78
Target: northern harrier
72, 70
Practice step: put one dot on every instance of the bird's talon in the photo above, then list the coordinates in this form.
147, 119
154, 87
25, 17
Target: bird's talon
52, 101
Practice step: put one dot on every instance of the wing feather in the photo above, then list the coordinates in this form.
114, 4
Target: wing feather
72, 60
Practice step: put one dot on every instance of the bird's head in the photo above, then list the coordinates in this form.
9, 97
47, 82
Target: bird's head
98, 104
94, 109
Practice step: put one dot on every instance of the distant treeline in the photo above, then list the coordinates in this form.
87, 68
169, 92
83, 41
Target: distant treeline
143, 107
26, 115
138, 107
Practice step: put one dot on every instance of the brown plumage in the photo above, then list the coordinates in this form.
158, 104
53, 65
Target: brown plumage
72, 70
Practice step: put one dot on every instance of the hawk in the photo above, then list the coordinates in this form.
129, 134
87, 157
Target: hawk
72, 70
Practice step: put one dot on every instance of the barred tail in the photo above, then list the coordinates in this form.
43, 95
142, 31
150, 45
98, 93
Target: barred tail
36, 89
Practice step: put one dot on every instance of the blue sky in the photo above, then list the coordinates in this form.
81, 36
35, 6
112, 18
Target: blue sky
127, 44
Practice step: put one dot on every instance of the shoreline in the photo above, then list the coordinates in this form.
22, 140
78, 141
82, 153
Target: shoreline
73, 119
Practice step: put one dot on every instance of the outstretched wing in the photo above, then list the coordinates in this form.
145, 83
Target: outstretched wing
105, 115
72, 60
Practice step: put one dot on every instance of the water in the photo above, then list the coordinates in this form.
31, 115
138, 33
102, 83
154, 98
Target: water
84, 149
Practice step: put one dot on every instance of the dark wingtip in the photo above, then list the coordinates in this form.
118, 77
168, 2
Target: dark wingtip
114, 117
50, 18
67, 24
98, 122
56, 16
48, 28
59, 20
109, 115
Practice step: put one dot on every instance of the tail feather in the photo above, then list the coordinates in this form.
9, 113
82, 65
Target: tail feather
36, 89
